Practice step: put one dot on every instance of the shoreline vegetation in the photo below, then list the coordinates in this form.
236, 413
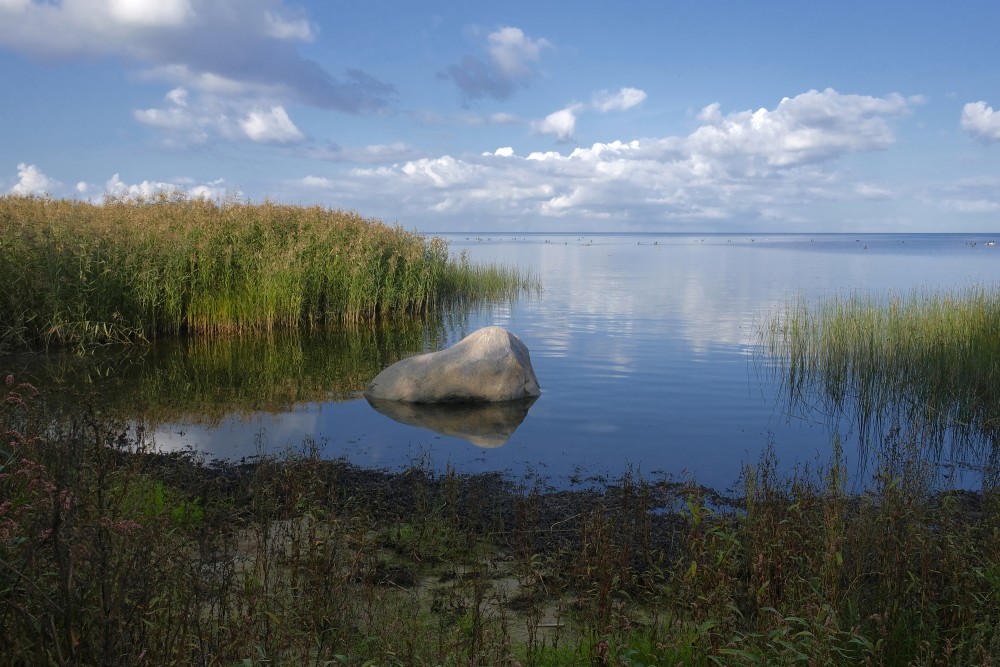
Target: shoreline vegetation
111, 553
127, 270
926, 362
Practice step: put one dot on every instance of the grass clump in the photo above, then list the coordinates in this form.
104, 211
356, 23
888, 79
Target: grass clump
78, 273
926, 361
113, 554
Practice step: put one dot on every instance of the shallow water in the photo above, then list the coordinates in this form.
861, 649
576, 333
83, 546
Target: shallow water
644, 346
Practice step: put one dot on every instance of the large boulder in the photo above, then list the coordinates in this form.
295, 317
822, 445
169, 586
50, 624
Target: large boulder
488, 365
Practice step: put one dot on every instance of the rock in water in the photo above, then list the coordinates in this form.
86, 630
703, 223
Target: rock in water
488, 365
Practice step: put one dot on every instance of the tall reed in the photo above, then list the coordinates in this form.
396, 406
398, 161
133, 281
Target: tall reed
926, 361
77, 272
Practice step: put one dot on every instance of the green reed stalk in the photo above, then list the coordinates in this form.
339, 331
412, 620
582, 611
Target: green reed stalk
79, 273
929, 359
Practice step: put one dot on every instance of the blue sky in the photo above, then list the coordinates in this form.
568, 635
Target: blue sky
518, 116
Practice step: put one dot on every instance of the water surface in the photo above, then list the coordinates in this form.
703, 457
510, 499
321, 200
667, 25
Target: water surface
644, 345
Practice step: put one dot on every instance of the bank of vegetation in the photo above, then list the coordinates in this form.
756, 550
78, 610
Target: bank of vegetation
113, 554
78, 273
920, 361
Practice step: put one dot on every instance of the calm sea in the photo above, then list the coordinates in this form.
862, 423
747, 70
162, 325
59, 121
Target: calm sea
645, 348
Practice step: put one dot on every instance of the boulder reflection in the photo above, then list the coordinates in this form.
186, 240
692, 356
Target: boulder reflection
482, 424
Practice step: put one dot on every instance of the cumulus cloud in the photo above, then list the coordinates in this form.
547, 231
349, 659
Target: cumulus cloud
626, 98
195, 120
151, 13
560, 123
271, 126
235, 47
31, 181
217, 189
512, 51
810, 127
511, 60
743, 167
981, 121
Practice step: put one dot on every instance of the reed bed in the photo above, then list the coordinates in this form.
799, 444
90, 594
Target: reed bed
113, 554
74, 272
926, 360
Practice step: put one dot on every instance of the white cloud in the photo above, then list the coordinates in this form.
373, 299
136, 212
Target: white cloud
213, 190
116, 187
272, 126
560, 123
981, 121
513, 52
195, 120
31, 181
810, 127
150, 13
443, 172
624, 99
216, 189
746, 168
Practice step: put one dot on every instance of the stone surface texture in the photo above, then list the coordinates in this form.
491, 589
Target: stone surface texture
488, 365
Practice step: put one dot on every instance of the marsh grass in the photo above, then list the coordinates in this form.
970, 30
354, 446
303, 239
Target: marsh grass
113, 554
926, 361
78, 273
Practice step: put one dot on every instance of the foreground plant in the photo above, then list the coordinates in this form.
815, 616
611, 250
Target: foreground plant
113, 554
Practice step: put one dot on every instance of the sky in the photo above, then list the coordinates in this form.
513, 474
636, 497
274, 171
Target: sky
658, 116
